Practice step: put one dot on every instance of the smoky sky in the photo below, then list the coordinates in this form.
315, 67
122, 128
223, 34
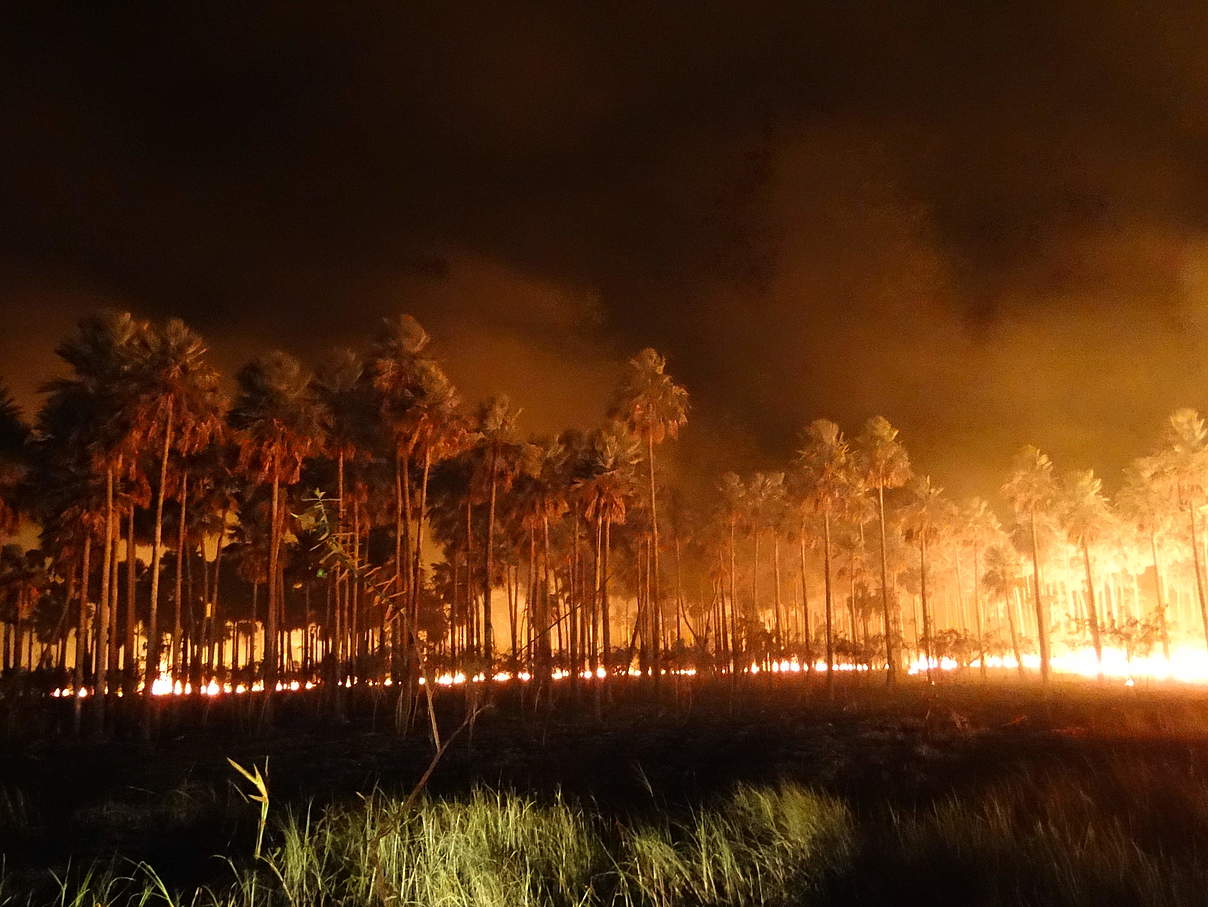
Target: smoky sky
988, 221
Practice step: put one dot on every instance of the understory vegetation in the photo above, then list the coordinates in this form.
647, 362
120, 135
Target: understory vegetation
1044, 841
951, 796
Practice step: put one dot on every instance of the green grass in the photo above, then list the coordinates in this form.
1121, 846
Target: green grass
1066, 837
490, 849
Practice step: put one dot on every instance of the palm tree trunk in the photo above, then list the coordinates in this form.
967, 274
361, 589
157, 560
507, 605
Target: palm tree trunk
274, 558
830, 641
805, 606
655, 600
152, 667
977, 615
1160, 604
891, 663
1096, 639
543, 623
1199, 573
605, 615
488, 634
776, 597
101, 650
130, 674
1042, 625
734, 647
926, 608
177, 641
1010, 609
81, 631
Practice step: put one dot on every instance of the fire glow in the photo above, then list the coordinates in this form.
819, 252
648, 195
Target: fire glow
1188, 664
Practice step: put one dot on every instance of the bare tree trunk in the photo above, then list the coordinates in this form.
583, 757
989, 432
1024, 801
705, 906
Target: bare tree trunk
177, 640
1199, 574
926, 608
830, 643
130, 674
101, 650
157, 551
1042, 624
1092, 613
81, 631
977, 614
805, 606
488, 634
891, 661
655, 599
1160, 603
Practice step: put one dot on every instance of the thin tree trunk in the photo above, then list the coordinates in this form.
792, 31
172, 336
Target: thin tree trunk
1042, 627
1199, 574
805, 606
1092, 613
655, 599
177, 641
830, 642
1160, 603
152, 668
101, 651
488, 634
891, 662
81, 631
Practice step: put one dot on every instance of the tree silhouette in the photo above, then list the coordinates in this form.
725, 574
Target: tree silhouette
883, 463
1030, 489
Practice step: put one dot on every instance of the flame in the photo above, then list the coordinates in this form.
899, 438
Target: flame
1188, 664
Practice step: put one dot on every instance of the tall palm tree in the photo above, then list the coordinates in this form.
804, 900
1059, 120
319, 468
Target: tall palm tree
923, 519
177, 408
1182, 465
1002, 579
1087, 516
419, 407
277, 426
980, 530
883, 463
604, 489
499, 458
1144, 502
653, 407
1031, 491
733, 504
824, 465
92, 414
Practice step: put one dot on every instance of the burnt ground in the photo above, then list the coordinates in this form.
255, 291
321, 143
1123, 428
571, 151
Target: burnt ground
174, 802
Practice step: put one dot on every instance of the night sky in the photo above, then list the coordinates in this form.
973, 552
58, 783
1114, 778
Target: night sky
989, 224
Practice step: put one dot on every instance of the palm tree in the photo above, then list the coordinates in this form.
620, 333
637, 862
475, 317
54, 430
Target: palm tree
824, 463
499, 458
734, 506
1031, 490
923, 520
653, 407
14, 437
883, 463
1087, 516
1182, 466
418, 405
177, 407
1001, 579
980, 529
277, 426
1144, 502
604, 489
90, 417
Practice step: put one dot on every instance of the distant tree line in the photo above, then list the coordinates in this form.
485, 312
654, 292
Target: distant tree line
356, 523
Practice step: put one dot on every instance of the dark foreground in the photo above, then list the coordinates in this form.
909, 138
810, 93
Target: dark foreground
765, 792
